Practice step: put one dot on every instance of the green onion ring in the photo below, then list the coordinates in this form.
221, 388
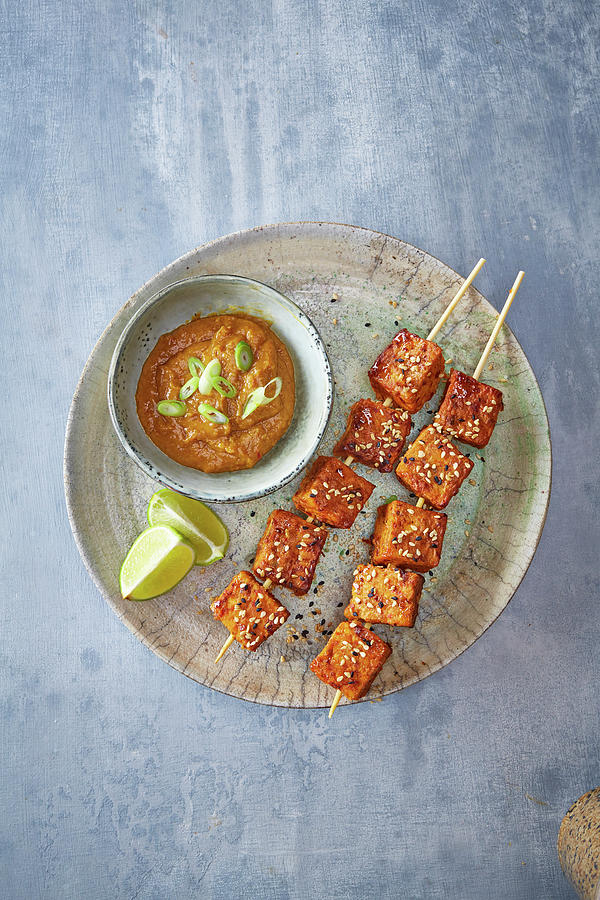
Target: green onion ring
224, 387
211, 414
259, 398
278, 385
212, 370
171, 408
189, 388
244, 357
252, 404
195, 365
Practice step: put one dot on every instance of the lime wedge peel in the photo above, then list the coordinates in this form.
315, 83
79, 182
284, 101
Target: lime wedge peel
198, 524
157, 560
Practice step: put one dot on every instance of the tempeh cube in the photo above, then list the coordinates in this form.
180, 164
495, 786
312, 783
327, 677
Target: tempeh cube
386, 595
332, 493
351, 659
408, 536
249, 611
289, 550
375, 434
433, 468
408, 371
469, 410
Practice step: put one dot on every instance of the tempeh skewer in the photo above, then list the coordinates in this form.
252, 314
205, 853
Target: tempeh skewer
470, 408
420, 502
434, 468
426, 352
476, 374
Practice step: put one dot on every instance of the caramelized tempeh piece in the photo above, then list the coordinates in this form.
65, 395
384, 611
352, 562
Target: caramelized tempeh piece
408, 536
289, 550
433, 468
375, 434
332, 492
385, 595
408, 371
351, 659
249, 611
469, 410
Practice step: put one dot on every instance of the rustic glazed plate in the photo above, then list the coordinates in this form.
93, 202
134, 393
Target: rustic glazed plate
495, 522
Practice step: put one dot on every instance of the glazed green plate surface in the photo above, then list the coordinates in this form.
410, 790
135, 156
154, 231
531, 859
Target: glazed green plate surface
494, 523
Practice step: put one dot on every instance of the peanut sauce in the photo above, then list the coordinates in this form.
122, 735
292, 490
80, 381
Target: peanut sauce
190, 439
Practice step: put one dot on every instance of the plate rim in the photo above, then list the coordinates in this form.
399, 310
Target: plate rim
69, 438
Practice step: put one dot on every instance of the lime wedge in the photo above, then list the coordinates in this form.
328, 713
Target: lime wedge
157, 560
196, 522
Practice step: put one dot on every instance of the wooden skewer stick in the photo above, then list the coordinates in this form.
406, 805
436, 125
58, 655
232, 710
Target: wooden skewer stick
225, 648
266, 584
461, 291
498, 326
336, 700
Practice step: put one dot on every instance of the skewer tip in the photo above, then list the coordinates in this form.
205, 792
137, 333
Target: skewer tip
225, 647
336, 700
499, 323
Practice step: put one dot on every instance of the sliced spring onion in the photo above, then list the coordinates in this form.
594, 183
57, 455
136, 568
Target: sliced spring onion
278, 384
259, 397
224, 387
211, 371
189, 388
211, 414
195, 365
171, 408
244, 357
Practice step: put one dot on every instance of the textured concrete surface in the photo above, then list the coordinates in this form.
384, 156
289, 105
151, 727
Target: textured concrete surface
133, 132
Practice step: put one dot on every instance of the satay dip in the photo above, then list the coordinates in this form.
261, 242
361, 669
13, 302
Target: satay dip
217, 392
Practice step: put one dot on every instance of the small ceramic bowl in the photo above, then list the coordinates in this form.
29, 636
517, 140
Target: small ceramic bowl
203, 295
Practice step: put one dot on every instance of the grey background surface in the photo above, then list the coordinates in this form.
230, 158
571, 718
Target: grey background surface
134, 131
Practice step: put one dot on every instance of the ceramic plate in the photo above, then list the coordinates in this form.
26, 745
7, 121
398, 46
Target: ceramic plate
495, 521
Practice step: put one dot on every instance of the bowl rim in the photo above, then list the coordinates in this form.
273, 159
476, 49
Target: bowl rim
154, 471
